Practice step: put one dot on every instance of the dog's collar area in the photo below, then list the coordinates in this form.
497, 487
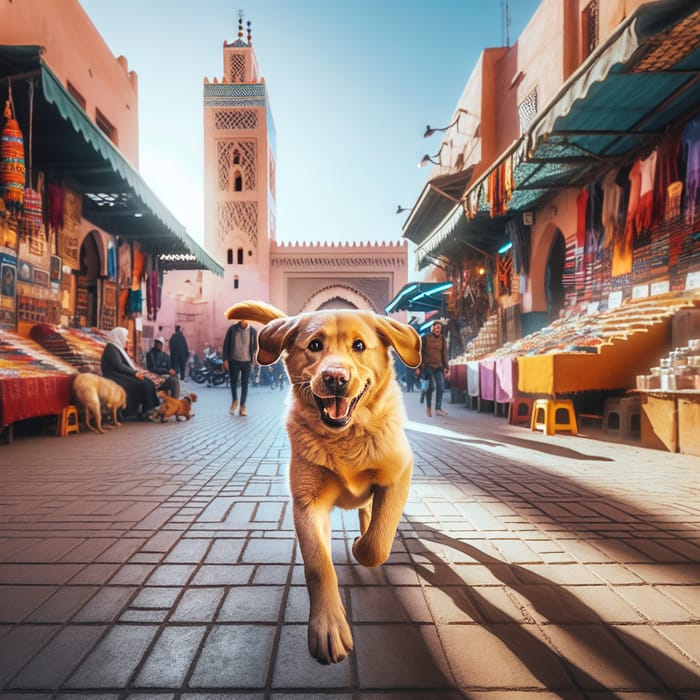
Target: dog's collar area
336, 411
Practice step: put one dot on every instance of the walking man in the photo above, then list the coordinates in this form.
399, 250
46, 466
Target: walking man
433, 367
240, 346
179, 352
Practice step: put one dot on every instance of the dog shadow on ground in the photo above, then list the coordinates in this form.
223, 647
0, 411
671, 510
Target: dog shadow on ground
549, 600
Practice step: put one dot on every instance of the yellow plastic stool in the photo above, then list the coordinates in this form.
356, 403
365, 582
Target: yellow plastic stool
68, 422
554, 415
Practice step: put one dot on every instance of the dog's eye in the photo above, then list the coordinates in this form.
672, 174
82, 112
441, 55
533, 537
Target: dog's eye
358, 346
315, 345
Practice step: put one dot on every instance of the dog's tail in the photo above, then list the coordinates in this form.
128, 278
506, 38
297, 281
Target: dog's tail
257, 311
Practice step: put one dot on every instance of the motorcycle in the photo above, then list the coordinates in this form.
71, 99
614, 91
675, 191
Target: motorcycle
211, 371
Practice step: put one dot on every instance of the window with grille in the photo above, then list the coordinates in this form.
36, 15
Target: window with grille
236, 119
237, 68
239, 217
227, 152
527, 111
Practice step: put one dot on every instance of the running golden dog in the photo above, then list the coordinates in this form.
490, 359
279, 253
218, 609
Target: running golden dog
170, 406
348, 447
95, 394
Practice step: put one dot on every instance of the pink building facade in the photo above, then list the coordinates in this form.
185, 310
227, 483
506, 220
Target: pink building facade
536, 125
87, 244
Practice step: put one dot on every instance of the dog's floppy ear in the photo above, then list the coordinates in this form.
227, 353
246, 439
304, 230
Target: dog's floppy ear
402, 337
257, 311
275, 337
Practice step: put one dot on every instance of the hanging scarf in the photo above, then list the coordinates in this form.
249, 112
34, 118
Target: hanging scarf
54, 206
12, 171
118, 337
32, 218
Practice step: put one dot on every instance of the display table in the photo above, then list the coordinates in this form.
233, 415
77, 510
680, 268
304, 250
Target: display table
32, 383
80, 347
614, 365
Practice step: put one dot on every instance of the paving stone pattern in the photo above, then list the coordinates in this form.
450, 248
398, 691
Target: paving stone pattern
159, 561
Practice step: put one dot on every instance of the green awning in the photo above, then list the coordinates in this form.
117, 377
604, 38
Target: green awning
67, 144
420, 296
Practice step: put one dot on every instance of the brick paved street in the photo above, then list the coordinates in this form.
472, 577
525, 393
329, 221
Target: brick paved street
159, 561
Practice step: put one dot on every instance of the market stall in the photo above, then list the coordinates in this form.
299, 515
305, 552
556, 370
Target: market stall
80, 347
600, 351
33, 383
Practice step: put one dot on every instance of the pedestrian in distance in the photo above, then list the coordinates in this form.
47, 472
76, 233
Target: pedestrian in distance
179, 352
240, 347
433, 367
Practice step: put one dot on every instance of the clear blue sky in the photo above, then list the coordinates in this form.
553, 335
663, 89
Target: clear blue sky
352, 86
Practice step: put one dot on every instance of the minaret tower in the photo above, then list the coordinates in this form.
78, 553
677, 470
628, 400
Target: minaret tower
239, 174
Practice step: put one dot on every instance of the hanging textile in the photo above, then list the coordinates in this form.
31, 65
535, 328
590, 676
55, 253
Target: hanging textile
645, 209
54, 207
612, 197
68, 240
32, 218
519, 235
111, 260
152, 288
666, 173
12, 170
690, 142
594, 219
134, 302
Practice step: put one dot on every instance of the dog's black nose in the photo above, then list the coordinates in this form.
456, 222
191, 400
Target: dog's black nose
335, 378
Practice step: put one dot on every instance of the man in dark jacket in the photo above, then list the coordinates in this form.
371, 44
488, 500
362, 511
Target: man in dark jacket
240, 346
179, 352
433, 367
158, 362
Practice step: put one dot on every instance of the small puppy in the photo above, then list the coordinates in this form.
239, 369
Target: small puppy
348, 447
175, 407
96, 394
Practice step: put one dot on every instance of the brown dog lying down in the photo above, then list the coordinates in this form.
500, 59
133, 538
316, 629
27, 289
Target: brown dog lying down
348, 447
170, 406
95, 394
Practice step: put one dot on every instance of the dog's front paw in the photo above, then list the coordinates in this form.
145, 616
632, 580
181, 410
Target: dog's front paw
330, 639
368, 553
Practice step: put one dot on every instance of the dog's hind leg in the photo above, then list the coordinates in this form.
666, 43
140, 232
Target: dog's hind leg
94, 410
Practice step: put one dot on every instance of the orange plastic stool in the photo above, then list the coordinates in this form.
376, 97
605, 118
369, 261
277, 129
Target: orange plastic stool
68, 422
520, 410
553, 416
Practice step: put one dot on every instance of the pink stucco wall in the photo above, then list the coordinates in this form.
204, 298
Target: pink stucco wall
75, 52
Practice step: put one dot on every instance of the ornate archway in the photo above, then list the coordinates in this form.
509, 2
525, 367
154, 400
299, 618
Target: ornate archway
337, 296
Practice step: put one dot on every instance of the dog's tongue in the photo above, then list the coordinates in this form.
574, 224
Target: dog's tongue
336, 407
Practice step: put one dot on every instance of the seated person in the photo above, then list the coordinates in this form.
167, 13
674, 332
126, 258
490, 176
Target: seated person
158, 362
141, 398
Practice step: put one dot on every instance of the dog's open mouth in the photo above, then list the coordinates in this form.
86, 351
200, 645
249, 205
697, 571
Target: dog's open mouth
336, 411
